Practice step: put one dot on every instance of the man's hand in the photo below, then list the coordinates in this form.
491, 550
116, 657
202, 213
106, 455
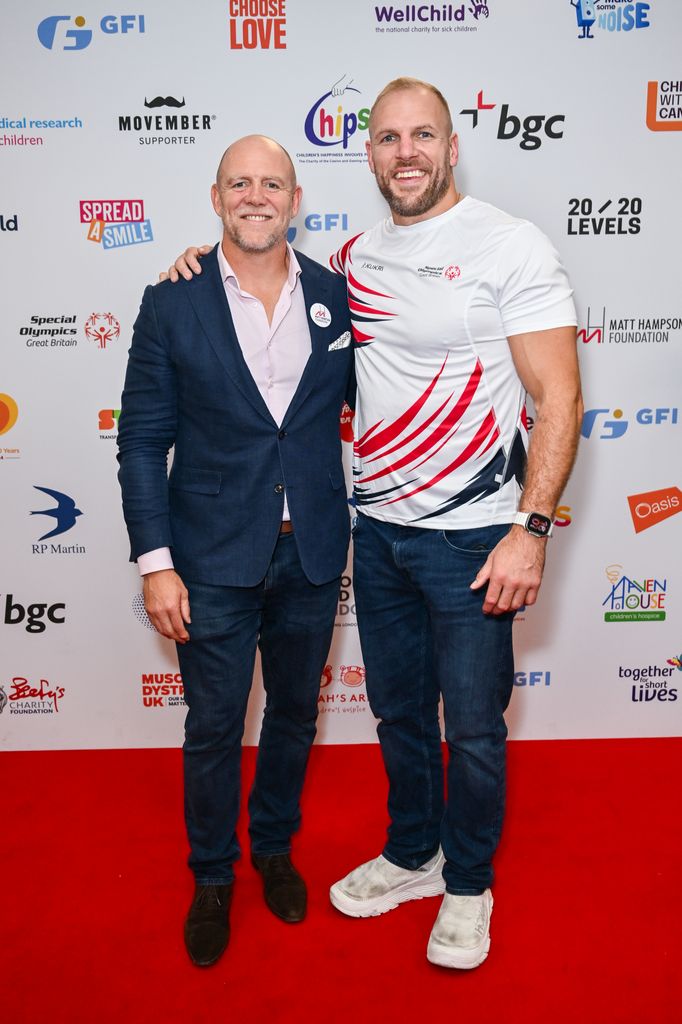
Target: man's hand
513, 572
167, 604
186, 265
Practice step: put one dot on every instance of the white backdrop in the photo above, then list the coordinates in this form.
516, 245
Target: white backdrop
576, 128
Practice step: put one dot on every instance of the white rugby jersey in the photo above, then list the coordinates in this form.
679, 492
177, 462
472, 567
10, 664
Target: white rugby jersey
440, 425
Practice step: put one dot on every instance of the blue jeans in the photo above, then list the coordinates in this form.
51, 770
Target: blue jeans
291, 620
423, 634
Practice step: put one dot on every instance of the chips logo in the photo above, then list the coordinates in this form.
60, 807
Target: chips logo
616, 427
653, 507
102, 328
25, 698
664, 106
258, 24
537, 678
333, 120
115, 222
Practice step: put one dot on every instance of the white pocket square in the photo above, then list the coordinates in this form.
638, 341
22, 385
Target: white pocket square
343, 341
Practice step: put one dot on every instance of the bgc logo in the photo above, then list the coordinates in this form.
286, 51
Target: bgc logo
509, 126
616, 427
330, 122
653, 507
33, 614
53, 32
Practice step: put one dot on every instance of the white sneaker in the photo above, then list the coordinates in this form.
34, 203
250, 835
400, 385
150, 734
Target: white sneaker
378, 886
461, 935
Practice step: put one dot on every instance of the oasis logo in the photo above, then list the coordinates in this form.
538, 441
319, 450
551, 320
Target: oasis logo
26, 698
33, 615
333, 121
616, 427
258, 24
653, 507
609, 17
531, 128
54, 32
610, 217
631, 600
651, 683
664, 106
115, 222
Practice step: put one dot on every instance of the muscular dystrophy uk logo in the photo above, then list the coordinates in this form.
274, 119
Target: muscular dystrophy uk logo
333, 122
114, 223
430, 18
65, 32
630, 600
664, 106
258, 24
531, 130
609, 425
162, 689
609, 16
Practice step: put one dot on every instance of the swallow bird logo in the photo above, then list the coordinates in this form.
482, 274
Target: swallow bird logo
65, 512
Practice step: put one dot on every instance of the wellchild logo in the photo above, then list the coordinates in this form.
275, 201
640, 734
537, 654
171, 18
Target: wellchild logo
616, 427
431, 17
509, 126
55, 34
650, 682
653, 507
664, 106
258, 24
609, 16
333, 121
115, 222
634, 600
538, 679
27, 698
102, 328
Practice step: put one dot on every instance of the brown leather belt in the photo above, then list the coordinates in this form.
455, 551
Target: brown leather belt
286, 526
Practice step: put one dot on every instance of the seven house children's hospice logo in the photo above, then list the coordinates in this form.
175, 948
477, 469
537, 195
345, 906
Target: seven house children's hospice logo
432, 17
258, 24
653, 507
629, 600
29, 698
102, 328
664, 106
115, 222
532, 128
64, 32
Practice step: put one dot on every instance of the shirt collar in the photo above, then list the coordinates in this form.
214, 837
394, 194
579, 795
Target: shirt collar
228, 274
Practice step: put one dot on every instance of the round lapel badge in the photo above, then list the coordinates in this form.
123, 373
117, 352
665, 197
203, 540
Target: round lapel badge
320, 315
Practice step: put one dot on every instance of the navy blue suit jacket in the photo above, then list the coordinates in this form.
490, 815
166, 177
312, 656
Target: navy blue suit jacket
188, 385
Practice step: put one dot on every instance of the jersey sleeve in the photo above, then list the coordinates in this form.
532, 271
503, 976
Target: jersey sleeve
340, 259
534, 293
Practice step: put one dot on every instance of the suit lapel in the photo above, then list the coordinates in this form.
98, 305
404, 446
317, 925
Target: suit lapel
315, 289
207, 296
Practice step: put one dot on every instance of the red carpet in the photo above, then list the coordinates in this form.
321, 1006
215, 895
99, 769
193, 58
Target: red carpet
587, 905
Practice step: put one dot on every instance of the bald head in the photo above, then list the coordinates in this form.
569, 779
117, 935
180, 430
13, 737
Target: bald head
257, 148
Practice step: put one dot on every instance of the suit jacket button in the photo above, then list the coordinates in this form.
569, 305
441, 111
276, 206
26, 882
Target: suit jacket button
282, 434
279, 488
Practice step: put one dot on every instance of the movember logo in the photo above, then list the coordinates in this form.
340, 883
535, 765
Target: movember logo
164, 101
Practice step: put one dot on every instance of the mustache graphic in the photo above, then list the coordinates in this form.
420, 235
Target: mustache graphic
164, 101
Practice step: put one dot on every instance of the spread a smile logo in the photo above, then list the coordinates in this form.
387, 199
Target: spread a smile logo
114, 223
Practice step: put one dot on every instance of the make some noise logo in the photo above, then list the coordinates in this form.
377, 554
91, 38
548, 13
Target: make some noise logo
17, 126
162, 690
176, 126
27, 697
114, 223
624, 331
634, 600
333, 124
609, 16
43, 332
652, 683
432, 18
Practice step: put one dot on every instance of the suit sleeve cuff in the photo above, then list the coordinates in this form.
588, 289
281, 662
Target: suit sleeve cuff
154, 561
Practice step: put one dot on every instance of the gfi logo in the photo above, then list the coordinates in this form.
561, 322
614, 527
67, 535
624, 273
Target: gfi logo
321, 222
509, 125
32, 614
653, 507
616, 427
52, 31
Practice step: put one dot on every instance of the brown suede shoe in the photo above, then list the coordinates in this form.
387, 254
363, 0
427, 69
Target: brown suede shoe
283, 888
207, 928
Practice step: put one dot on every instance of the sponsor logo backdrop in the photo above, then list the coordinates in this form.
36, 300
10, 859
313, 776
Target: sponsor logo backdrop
109, 145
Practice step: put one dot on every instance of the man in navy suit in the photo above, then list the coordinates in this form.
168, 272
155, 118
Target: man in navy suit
244, 370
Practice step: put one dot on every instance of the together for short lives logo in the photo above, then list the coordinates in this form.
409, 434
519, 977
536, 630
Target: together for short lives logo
258, 24
69, 33
664, 106
531, 130
634, 600
652, 507
115, 222
652, 684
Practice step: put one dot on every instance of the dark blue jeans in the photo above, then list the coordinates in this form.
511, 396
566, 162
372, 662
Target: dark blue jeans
423, 634
291, 620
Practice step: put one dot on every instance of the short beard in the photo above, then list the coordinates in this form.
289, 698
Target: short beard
264, 246
414, 207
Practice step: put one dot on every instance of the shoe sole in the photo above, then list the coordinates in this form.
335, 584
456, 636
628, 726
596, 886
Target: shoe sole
432, 884
464, 959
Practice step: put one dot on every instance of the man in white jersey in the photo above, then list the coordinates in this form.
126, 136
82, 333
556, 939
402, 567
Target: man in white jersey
458, 311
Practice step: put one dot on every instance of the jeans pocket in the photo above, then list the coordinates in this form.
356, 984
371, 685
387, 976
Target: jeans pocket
477, 541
